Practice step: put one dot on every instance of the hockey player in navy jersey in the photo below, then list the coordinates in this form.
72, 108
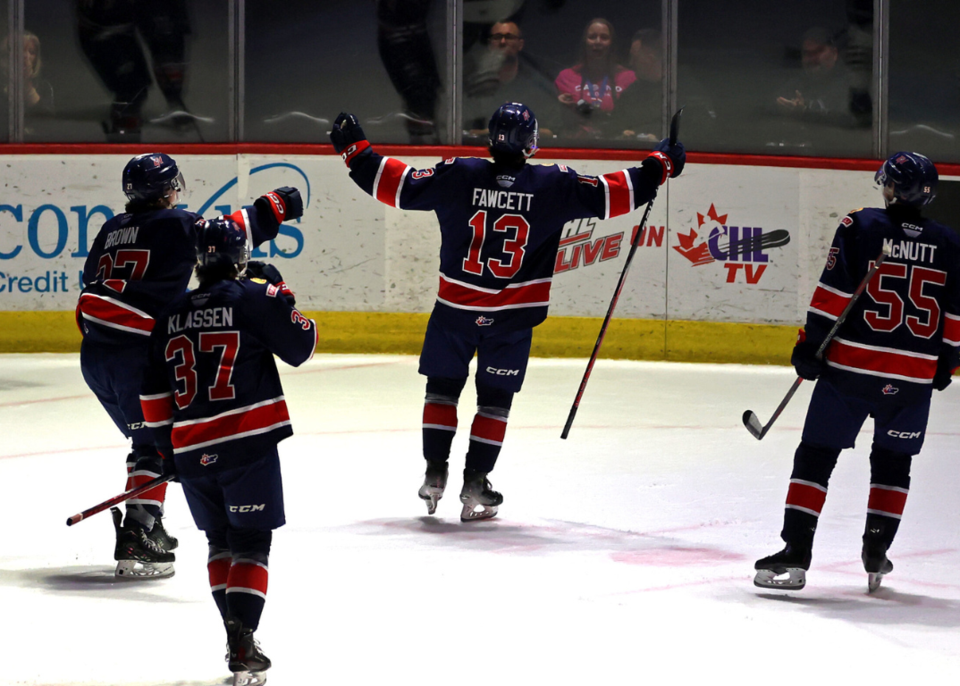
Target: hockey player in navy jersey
500, 225
212, 397
140, 261
899, 342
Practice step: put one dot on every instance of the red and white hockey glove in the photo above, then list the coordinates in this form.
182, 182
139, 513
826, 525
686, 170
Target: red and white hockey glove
285, 204
672, 158
348, 138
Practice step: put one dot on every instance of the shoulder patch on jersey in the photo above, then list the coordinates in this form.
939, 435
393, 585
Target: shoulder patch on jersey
563, 168
258, 280
272, 291
847, 221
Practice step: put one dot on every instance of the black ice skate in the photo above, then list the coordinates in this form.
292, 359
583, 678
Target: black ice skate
244, 657
160, 536
786, 570
476, 493
434, 483
137, 555
875, 563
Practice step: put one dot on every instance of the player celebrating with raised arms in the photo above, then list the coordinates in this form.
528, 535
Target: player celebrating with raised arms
212, 396
140, 261
899, 341
500, 225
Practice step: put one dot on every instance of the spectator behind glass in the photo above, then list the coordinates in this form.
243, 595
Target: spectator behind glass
590, 89
110, 32
825, 92
37, 93
497, 73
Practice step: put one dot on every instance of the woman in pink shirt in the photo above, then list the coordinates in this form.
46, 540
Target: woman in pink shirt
591, 88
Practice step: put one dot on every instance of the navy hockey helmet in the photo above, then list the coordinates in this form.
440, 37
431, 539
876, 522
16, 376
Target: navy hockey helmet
912, 177
151, 176
222, 244
514, 130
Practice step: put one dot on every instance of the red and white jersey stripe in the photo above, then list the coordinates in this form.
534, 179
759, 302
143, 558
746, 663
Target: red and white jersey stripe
243, 219
112, 313
874, 360
619, 194
951, 329
157, 409
829, 302
465, 296
389, 181
252, 420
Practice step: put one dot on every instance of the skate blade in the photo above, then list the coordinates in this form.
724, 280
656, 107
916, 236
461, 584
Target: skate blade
471, 514
431, 496
784, 579
874, 580
249, 678
134, 569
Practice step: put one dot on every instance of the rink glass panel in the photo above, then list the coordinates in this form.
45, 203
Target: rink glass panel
159, 58
734, 65
552, 34
308, 60
925, 78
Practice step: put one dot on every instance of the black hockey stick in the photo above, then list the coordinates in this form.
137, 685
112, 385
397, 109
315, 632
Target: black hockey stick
117, 499
674, 130
750, 419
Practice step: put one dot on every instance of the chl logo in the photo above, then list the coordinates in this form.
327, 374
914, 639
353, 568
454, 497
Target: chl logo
207, 460
484, 321
248, 508
904, 434
890, 389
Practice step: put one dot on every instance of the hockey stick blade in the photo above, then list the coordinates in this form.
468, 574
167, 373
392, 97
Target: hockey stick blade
675, 126
752, 423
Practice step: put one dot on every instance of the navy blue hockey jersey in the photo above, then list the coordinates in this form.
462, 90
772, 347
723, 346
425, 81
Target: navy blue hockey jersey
500, 228
909, 315
212, 394
140, 262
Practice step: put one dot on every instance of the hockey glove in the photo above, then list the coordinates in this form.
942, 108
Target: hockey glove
805, 359
170, 466
270, 274
671, 157
348, 138
285, 204
944, 375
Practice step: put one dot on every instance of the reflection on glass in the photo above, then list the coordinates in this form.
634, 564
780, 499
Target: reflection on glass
124, 71
788, 79
925, 79
384, 62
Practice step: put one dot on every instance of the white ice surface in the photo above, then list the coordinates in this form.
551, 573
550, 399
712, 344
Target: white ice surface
623, 555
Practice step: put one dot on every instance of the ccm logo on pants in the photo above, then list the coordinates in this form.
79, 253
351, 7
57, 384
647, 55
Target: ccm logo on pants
904, 434
248, 508
503, 372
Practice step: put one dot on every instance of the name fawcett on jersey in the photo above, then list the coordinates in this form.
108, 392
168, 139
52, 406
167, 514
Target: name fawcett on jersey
503, 200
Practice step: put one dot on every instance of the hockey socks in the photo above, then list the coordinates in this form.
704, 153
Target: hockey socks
246, 591
145, 464
812, 467
440, 417
889, 486
218, 567
486, 438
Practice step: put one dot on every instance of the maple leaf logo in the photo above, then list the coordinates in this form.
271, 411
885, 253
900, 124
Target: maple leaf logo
694, 245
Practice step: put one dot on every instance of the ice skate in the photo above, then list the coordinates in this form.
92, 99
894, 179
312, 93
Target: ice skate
786, 570
477, 493
876, 564
244, 657
160, 536
434, 483
137, 555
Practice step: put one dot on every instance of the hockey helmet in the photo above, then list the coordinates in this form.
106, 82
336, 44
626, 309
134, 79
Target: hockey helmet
514, 130
222, 244
912, 176
151, 176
